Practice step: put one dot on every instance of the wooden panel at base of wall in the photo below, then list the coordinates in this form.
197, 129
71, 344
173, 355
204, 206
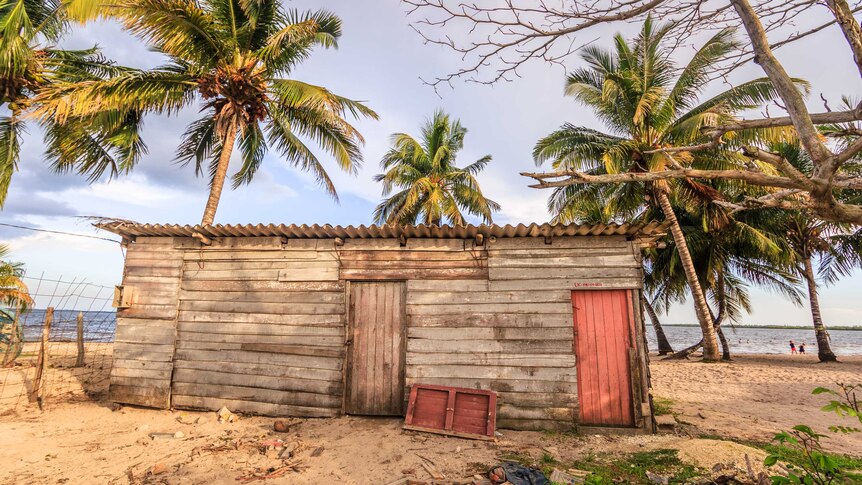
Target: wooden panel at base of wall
252, 407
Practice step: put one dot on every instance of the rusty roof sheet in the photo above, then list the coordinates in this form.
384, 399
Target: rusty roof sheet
132, 229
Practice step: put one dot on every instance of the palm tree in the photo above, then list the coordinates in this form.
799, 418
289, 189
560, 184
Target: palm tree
13, 294
29, 64
13, 291
649, 107
729, 254
232, 57
835, 247
431, 187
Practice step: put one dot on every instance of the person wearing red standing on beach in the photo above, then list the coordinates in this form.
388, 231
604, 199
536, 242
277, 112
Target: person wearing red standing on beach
792, 348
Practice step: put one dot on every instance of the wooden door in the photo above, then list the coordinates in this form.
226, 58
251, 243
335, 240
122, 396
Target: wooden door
376, 352
602, 345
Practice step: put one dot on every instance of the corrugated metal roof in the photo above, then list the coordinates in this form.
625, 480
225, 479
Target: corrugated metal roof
132, 229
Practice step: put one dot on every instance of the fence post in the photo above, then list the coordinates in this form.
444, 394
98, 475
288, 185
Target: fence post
38, 392
80, 361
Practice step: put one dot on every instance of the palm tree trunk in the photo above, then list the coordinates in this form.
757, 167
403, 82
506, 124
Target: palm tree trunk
220, 175
710, 344
824, 350
664, 346
722, 312
684, 353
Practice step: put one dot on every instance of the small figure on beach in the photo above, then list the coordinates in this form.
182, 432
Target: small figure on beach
802, 348
792, 348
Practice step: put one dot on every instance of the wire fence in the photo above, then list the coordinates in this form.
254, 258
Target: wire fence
59, 350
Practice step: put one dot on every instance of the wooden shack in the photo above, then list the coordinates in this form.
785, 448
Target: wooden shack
320, 321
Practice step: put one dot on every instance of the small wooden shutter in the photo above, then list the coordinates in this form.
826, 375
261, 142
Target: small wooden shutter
469, 413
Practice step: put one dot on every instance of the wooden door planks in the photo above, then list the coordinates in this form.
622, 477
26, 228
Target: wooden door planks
376, 355
602, 342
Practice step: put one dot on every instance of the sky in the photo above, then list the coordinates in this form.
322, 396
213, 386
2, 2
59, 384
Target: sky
380, 60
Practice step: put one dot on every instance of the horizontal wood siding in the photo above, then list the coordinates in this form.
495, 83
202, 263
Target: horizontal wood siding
416, 260
146, 332
512, 333
261, 328
260, 322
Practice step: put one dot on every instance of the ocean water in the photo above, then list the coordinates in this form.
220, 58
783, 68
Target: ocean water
746, 340
100, 327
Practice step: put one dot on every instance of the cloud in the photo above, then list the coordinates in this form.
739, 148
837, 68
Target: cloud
135, 189
37, 205
265, 188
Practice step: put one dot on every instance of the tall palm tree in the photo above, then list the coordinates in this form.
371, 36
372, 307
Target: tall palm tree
432, 188
835, 248
729, 254
648, 106
29, 63
232, 58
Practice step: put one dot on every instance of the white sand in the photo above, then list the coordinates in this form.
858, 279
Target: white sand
84, 442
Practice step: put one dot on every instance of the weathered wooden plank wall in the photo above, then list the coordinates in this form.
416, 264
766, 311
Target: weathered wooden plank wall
146, 332
261, 328
260, 324
512, 332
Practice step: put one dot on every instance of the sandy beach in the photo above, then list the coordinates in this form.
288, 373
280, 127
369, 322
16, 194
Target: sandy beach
756, 395
82, 440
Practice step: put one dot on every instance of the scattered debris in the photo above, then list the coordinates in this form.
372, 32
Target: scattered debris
225, 416
657, 479
168, 436
159, 468
552, 451
186, 419
568, 477
435, 474
400, 481
317, 451
517, 474
280, 426
269, 473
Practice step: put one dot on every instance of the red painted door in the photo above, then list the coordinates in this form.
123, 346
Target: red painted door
603, 325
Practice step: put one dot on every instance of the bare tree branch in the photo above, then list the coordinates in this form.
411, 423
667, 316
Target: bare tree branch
850, 27
503, 35
572, 177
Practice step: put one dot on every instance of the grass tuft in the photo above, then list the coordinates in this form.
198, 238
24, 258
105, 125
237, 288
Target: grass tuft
662, 406
632, 468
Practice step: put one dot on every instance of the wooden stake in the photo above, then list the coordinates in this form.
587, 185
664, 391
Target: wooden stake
80, 361
37, 393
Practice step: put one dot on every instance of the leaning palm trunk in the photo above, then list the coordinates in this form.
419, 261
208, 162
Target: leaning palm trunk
220, 175
664, 346
710, 344
824, 350
722, 313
